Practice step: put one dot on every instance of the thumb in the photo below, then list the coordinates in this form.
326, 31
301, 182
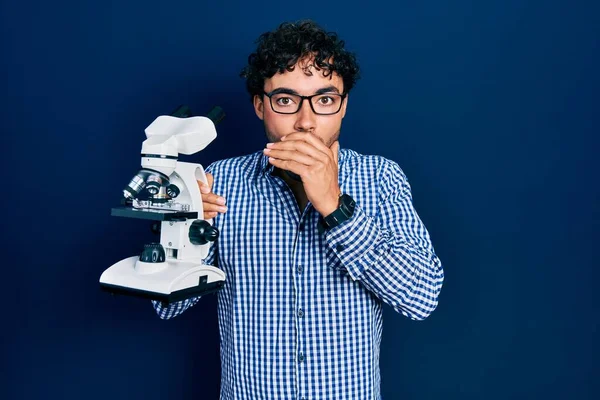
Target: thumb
335, 148
209, 179
206, 187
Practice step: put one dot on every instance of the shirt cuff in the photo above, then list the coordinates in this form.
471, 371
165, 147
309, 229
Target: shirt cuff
354, 243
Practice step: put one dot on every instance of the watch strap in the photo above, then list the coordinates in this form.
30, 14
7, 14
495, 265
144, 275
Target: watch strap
344, 212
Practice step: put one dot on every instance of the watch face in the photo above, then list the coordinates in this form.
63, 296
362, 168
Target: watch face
348, 201
343, 213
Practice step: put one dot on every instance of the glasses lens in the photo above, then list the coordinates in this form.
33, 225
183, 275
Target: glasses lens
285, 103
327, 103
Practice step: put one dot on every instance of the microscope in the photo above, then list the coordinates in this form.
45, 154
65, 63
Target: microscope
165, 191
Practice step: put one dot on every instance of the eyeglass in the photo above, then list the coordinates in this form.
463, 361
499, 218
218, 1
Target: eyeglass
320, 103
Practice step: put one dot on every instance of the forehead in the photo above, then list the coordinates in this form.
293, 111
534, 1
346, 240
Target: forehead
304, 79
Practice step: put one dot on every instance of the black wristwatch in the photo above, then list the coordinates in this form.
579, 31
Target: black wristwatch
344, 212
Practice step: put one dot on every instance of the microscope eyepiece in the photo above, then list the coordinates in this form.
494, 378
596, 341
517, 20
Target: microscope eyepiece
216, 115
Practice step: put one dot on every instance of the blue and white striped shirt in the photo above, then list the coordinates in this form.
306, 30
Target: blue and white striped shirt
300, 314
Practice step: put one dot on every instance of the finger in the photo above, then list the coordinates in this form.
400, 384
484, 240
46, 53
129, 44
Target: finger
210, 215
335, 148
214, 208
299, 146
290, 155
308, 138
212, 198
203, 187
292, 166
206, 187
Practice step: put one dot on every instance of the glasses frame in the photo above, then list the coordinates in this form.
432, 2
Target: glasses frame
302, 98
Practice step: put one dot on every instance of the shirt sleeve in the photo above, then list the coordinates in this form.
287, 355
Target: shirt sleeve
174, 309
391, 252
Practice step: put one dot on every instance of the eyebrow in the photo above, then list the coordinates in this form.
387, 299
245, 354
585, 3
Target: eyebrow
327, 89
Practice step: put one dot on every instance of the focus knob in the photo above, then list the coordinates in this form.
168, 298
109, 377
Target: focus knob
201, 232
153, 253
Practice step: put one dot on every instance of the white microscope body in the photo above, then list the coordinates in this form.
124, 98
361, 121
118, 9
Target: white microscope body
173, 269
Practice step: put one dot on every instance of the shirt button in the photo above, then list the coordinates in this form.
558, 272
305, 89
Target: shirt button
301, 313
340, 247
300, 357
300, 268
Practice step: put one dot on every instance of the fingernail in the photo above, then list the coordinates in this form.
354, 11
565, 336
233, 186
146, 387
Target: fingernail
221, 200
269, 145
223, 209
204, 189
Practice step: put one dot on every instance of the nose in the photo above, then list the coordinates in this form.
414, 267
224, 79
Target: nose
306, 119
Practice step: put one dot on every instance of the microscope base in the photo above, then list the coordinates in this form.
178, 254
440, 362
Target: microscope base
174, 281
200, 290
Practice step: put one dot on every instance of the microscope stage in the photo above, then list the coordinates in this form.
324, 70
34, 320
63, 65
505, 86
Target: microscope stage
152, 214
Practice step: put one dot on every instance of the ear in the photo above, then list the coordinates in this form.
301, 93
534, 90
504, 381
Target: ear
259, 106
343, 111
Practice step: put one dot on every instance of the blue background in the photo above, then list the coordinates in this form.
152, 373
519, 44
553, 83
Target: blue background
490, 107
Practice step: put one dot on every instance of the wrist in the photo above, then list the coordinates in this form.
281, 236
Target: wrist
341, 214
330, 206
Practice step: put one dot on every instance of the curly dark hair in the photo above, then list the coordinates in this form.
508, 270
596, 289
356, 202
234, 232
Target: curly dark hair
281, 49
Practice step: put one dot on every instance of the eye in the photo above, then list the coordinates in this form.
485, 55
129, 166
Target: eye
284, 101
326, 100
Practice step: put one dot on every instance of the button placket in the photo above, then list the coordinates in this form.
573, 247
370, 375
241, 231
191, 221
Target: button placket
303, 234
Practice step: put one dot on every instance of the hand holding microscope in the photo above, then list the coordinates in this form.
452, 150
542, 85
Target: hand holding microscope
166, 192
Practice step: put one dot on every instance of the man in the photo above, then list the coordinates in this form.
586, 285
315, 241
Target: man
314, 238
